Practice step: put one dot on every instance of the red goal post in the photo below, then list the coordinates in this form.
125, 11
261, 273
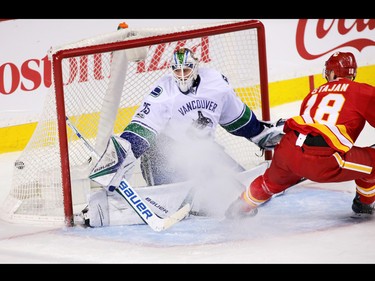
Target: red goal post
99, 82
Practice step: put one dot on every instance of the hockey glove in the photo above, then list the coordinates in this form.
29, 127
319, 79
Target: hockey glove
118, 159
270, 136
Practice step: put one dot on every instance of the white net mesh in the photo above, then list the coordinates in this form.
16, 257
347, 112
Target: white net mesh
97, 93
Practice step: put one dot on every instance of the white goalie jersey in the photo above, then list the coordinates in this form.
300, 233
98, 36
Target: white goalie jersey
173, 132
180, 116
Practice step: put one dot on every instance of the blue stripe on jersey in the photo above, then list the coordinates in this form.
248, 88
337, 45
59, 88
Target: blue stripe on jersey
139, 136
246, 125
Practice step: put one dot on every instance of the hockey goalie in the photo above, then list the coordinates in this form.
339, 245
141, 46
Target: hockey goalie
172, 133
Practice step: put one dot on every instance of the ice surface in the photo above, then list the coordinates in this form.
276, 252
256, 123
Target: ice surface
310, 223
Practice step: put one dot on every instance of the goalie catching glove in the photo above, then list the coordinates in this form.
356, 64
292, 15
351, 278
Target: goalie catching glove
116, 162
270, 136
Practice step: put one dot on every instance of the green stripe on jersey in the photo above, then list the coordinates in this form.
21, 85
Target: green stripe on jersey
239, 122
141, 131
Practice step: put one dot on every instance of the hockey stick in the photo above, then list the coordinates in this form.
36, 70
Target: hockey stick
126, 191
145, 213
78, 134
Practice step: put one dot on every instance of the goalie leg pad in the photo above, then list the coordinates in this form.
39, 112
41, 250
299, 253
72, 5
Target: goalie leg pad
96, 214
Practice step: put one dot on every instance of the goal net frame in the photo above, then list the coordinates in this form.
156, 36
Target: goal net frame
134, 44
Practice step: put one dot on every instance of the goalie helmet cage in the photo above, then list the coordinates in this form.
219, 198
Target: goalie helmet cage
99, 82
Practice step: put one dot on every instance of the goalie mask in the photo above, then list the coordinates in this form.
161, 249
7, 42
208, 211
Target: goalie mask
184, 67
343, 64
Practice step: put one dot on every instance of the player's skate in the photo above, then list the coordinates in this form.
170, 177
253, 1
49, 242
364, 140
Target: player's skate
96, 213
360, 209
240, 209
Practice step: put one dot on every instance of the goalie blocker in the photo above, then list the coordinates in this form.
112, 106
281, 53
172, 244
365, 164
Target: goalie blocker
110, 172
116, 162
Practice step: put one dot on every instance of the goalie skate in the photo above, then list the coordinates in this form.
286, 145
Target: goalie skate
96, 214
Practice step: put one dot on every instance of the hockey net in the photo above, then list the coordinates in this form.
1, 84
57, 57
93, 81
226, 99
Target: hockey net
99, 82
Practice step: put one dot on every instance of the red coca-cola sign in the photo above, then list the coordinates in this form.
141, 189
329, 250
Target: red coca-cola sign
35, 73
323, 28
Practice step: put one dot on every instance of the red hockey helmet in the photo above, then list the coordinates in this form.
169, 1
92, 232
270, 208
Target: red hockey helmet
343, 64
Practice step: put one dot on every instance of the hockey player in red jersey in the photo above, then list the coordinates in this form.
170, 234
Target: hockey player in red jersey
319, 143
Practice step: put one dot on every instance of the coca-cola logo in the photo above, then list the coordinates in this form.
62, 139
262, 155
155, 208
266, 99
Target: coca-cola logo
34, 73
323, 28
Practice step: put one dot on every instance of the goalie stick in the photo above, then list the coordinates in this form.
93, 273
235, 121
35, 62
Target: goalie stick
126, 191
145, 213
